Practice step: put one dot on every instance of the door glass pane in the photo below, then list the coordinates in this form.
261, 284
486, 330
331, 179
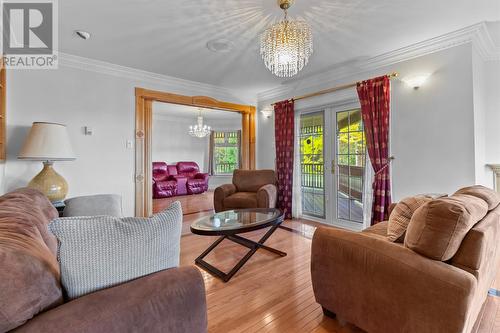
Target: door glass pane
312, 164
350, 157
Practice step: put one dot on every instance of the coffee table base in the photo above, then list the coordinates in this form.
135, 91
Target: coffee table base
252, 245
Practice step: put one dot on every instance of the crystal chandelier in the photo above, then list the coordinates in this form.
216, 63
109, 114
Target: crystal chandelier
199, 130
286, 46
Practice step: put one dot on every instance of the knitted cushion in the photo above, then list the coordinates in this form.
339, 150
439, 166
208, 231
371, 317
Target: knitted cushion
97, 252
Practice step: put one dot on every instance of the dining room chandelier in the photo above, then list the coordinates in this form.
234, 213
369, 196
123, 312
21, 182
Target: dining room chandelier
287, 45
199, 130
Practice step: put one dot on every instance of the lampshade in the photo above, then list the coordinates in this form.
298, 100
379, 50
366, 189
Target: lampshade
47, 142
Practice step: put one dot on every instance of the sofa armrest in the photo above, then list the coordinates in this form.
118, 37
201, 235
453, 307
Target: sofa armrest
267, 196
220, 194
382, 286
172, 300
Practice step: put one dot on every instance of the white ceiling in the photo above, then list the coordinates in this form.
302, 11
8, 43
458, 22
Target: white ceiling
190, 112
169, 37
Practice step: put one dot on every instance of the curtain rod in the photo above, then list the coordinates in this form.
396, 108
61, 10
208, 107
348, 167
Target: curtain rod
330, 90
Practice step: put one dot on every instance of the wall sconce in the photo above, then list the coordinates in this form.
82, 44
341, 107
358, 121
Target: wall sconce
267, 111
416, 81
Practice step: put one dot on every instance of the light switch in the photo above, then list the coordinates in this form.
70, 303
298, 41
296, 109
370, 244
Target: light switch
130, 144
88, 130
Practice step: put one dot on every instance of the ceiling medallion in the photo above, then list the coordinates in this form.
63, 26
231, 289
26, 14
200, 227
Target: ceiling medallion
287, 45
199, 130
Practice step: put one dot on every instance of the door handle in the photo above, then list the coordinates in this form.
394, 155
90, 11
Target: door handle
333, 167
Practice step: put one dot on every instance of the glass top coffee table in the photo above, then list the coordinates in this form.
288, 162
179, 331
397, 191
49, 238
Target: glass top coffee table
228, 225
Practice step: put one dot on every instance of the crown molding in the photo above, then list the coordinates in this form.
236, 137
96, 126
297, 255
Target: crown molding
143, 77
477, 34
483, 43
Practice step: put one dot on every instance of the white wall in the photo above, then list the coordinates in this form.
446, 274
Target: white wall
94, 94
172, 143
483, 174
492, 87
432, 134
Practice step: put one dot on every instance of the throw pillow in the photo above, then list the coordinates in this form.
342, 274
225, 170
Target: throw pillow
97, 252
401, 216
437, 229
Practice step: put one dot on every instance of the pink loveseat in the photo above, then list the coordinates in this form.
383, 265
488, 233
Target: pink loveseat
180, 179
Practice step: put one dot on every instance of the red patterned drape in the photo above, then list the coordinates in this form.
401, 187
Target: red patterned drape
374, 96
284, 136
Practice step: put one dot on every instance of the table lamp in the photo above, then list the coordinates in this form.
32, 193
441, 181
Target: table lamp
48, 142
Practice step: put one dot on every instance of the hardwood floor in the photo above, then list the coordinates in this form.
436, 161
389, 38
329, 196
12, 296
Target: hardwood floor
191, 204
274, 294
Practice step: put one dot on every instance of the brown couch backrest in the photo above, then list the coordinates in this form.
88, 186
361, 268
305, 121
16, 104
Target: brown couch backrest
252, 180
437, 228
29, 276
480, 249
463, 228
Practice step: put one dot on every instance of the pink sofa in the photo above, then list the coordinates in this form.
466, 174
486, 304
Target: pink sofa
180, 179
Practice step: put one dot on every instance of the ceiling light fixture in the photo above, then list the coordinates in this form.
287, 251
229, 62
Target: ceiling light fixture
83, 34
199, 130
287, 45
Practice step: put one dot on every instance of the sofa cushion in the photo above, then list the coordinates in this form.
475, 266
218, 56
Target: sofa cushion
97, 252
437, 228
29, 274
188, 169
241, 200
160, 171
88, 205
491, 197
252, 180
401, 215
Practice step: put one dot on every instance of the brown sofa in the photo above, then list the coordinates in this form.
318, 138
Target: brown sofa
437, 281
250, 189
31, 295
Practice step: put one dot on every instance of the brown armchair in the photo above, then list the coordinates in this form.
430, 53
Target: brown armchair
250, 189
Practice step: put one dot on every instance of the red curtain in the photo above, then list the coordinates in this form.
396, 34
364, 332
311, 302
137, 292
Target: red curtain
374, 96
284, 137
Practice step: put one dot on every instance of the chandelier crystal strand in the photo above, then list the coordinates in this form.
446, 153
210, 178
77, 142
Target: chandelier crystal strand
286, 46
199, 130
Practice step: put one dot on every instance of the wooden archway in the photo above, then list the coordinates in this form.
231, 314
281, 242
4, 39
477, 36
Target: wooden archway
144, 99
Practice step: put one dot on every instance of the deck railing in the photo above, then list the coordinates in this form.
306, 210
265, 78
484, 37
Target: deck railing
225, 168
350, 179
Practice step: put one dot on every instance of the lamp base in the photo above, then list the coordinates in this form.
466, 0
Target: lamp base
50, 183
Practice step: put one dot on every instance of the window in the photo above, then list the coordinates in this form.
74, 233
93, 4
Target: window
312, 164
225, 147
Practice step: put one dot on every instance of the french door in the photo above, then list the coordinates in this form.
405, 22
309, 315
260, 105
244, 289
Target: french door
333, 159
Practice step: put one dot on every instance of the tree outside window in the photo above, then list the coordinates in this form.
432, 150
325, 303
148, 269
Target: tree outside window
225, 152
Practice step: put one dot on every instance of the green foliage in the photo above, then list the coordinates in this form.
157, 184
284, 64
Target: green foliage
312, 149
226, 155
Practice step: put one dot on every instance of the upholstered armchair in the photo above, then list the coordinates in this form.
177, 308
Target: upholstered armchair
250, 189
164, 186
195, 181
